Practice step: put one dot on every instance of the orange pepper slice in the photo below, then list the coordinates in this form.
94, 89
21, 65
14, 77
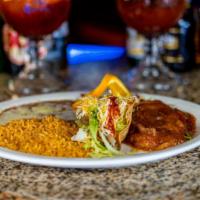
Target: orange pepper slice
111, 82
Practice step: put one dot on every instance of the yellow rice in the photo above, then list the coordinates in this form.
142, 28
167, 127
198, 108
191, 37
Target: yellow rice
49, 136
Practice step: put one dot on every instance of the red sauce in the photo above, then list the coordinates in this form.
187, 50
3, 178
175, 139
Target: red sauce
151, 17
158, 126
35, 18
113, 112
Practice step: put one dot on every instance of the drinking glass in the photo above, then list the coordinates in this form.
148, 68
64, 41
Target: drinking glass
152, 18
36, 20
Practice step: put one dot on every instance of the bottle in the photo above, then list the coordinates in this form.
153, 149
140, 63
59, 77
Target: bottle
4, 62
196, 10
179, 44
136, 45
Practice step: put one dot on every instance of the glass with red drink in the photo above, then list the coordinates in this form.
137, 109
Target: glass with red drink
152, 18
35, 19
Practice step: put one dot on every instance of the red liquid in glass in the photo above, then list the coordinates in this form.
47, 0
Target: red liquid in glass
35, 17
151, 17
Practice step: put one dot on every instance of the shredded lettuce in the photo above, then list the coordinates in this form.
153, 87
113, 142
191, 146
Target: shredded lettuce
92, 115
99, 149
93, 125
120, 125
188, 136
109, 146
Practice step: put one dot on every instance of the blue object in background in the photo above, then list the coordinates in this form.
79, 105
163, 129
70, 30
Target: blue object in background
81, 53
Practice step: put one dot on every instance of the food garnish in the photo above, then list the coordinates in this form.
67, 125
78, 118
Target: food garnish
105, 118
188, 136
109, 82
106, 121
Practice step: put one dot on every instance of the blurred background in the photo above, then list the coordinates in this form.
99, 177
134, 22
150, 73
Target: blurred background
98, 22
104, 27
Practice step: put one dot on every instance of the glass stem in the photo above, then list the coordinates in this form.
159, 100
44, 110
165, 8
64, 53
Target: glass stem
32, 66
152, 59
35, 53
153, 52
34, 73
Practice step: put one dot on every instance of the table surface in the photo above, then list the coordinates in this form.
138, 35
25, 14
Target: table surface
176, 178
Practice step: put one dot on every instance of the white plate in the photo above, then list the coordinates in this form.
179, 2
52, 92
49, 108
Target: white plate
114, 162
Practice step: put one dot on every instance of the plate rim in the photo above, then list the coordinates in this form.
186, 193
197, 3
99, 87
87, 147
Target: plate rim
92, 163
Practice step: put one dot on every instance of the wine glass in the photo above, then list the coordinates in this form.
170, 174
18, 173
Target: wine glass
152, 18
36, 20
